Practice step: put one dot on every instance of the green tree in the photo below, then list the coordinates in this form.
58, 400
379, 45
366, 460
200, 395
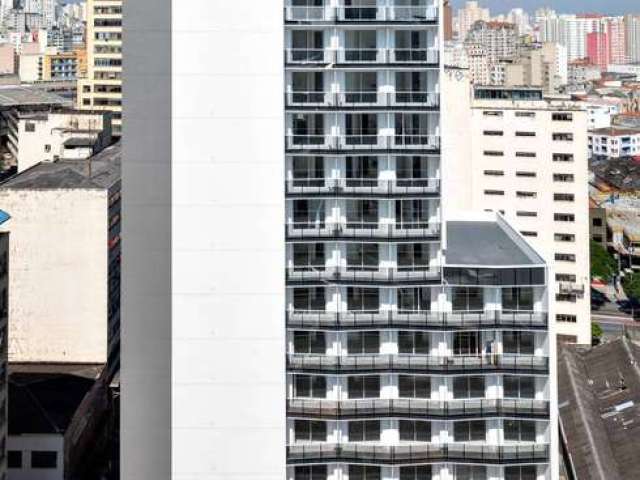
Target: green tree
596, 333
603, 265
631, 285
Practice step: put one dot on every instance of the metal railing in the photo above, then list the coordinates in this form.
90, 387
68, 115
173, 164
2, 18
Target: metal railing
346, 274
413, 55
428, 452
361, 55
366, 186
363, 13
360, 229
416, 319
310, 55
409, 13
451, 363
309, 13
415, 407
364, 141
370, 98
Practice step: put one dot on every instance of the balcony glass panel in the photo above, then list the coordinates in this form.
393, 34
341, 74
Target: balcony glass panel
414, 343
360, 46
362, 171
310, 431
412, 171
308, 171
307, 87
363, 299
468, 299
412, 300
310, 386
470, 472
411, 87
517, 299
467, 343
360, 10
519, 430
359, 343
364, 386
361, 129
363, 256
364, 431
364, 472
473, 431
412, 213
308, 129
308, 257
519, 387
309, 342
307, 46
468, 387
362, 214
422, 472
308, 213
413, 256
414, 431
411, 46
518, 343
412, 129
412, 386
521, 472
312, 299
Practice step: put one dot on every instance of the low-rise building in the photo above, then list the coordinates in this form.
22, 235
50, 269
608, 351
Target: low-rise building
614, 142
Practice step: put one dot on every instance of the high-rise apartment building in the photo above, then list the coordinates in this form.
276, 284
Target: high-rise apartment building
447, 19
528, 160
632, 37
498, 39
616, 34
468, 16
599, 49
102, 89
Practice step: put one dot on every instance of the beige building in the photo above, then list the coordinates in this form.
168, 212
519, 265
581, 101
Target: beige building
65, 260
538, 67
526, 157
469, 15
102, 88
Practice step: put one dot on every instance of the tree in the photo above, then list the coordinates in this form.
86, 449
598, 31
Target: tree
603, 265
631, 285
596, 333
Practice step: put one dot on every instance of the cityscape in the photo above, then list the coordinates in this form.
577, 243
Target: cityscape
397, 240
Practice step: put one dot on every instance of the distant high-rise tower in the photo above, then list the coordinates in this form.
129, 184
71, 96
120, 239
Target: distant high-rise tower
447, 19
102, 89
469, 15
598, 49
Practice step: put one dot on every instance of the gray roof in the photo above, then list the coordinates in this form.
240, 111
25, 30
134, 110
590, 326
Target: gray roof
486, 244
16, 95
100, 171
599, 400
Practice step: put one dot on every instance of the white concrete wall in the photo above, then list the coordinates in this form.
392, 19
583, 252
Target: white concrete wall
38, 442
228, 241
57, 275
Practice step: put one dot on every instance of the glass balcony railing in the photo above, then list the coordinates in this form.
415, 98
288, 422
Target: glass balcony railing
362, 186
362, 229
371, 98
362, 55
309, 13
362, 13
416, 407
310, 55
427, 452
413, 55
374, 275
411, 363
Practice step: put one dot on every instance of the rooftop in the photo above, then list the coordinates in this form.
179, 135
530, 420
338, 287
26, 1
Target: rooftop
615, 131
17, 95
599, 403
100, 171
487, 243
620, 173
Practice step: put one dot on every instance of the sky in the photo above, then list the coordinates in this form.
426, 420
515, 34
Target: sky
611, 7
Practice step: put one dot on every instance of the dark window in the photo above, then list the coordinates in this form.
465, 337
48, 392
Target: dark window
526, 214
311, 472
359, 343
414, 299
422, 472
564, 217
565, 257
563, 157
412, 386
563, 197
414, 342
412, 256
597, 222
564, 318
364, 431
566, 277
311, 386
526, 194
468, 387
311, 430
517, 298
30, 127
564, 237
364, 472
492, 113
562, 117
363, 256
525, 134
526, 154
525, 114
526, 174
44, 459
519, 387
563, 137
563, 177
309, 342
519, 430
308, 257
14, 459
466, 343
494, 173
472, 431
363, 299
524, 472
415, 431
493, 153
493, 133
364, 387
468, 299
518, 342
494, 192
309, 299
471, 472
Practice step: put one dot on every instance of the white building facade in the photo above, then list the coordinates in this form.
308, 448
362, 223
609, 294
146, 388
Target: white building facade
614, 142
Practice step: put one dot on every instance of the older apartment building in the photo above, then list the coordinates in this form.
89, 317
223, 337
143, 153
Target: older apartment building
528, 161
102, 89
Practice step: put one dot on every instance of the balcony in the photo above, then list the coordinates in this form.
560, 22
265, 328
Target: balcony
361, 55
354, 230
426, 453
303, 56
307, 274
310, 99
364, 99
347, 364
309, 14
412, 14
310, 142
414, 98
415, 408
362, 13
413, 55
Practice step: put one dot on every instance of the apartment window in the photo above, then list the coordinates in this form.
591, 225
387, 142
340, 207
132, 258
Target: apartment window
562, 117
564, 237
308, 214
311, 386
526, 233
565, 257
310, 431
360, 343
412, 213
468, 387
564, 217
417, 343
493, 153
363, 299
412, 171
414, 431
413, 256
361, 87
564, 318
308, 171
363, 256
525, 134
364, 472
362, 171
414, 386
563, 157
517, 298
563, 177
467, 343
44, 459
566, 297
519, 431
311, 472
364, 431
422, 472
563, 197
519, 387
526, 194
309, 342
494, 192
309, 299
364, 387
494, 173
14, 459
526, 154
362, 214
526, 174
30, 127
526, 214
468, 299
492, 113
596, 222
518, 342
493, 133
414, 300
565, 277
525, 114
524, 472
308, 257
47, 148
562, 137
473, 431
470, 472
